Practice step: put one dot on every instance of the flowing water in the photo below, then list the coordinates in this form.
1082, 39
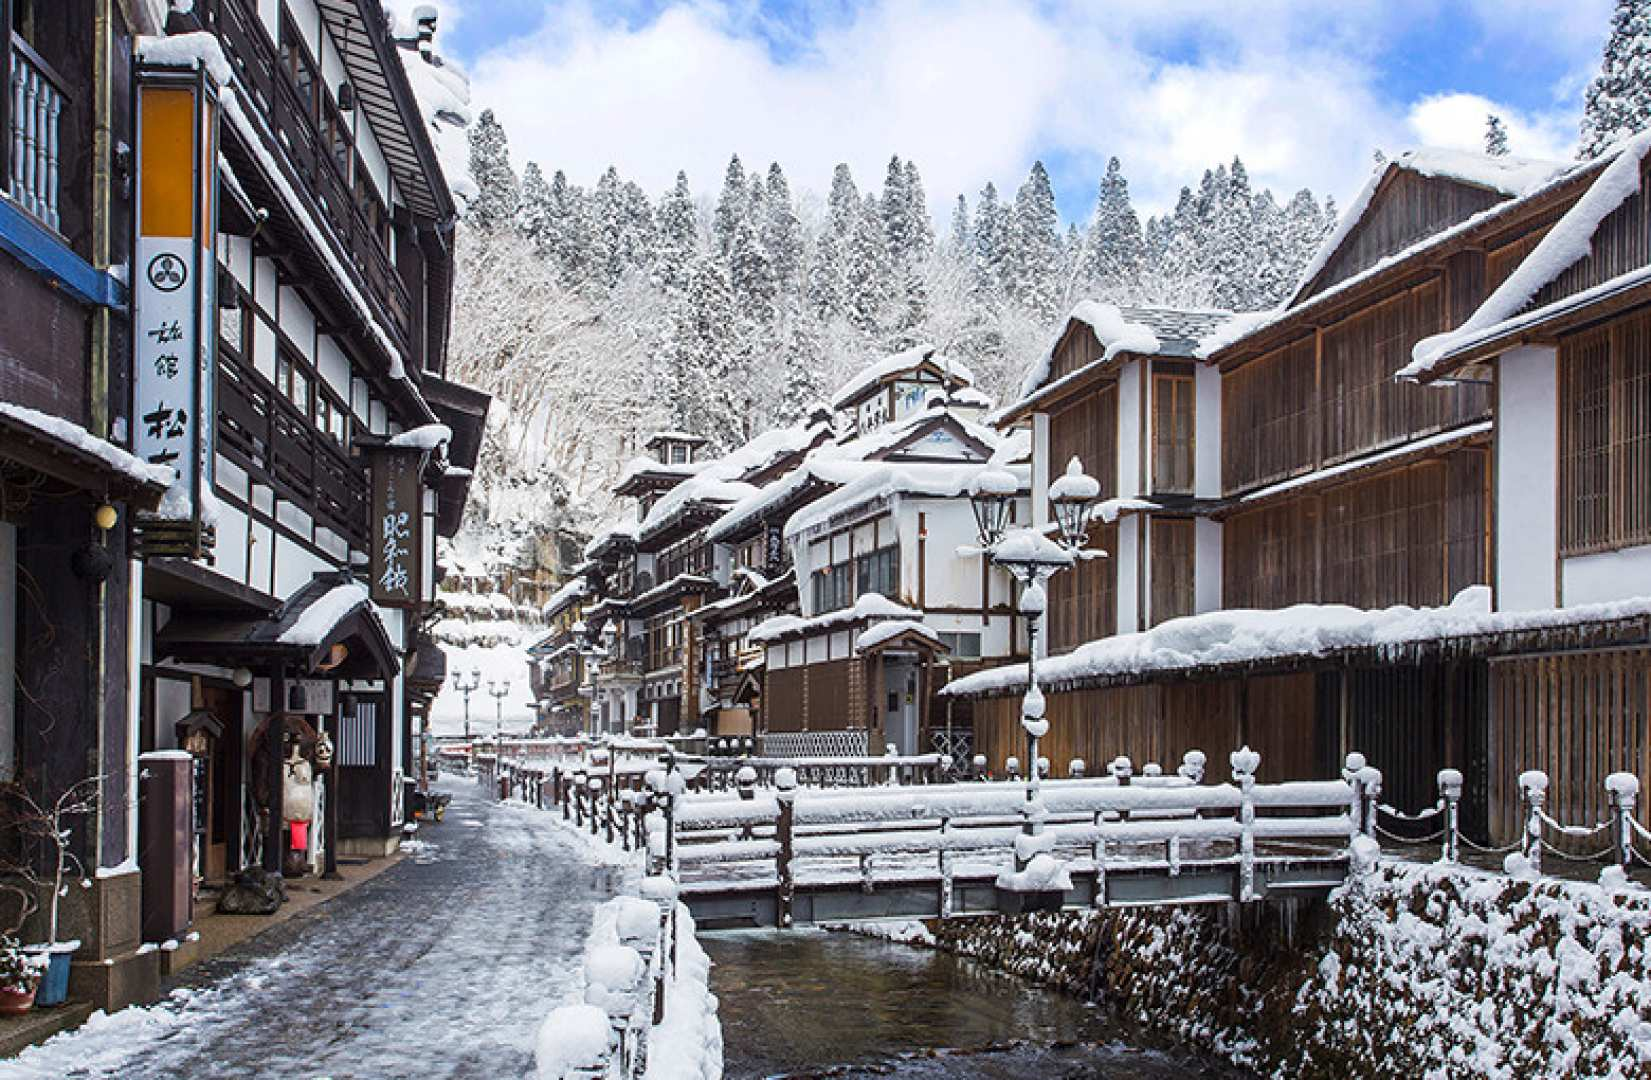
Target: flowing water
809, 1003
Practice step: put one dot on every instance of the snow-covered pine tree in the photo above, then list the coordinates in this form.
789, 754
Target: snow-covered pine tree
1032, 259
825, 278
533, 211
869, 276
567, 239
962, 236
704, 358
494, 206
1116, 248
991, 240
1232, 250
843, 203
677, 236
895, 209
1618, 101
733, 206
1496, 136
917, 212
751, 274
782, 233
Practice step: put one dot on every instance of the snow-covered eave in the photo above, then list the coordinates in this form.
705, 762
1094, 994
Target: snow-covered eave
870, 607
1250, 333
1115, 333
1348, 635
1109, 363
1566, 244
1631, 289
1346, 470
879, 372
665, 590
931, 480
150, 480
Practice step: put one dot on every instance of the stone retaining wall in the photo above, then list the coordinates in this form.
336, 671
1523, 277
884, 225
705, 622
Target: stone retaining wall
1412, 972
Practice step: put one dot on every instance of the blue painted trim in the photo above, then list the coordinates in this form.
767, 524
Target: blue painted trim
44, 252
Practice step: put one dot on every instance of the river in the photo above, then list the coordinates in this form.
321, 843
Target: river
810, 1003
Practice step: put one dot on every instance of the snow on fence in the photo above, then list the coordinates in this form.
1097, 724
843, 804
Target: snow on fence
647, 1009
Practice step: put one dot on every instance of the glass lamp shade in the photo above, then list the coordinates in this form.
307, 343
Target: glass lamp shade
1073, 498
991, 495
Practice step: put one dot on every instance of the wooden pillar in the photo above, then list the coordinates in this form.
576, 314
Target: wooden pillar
273, 738
330, 868
235, 761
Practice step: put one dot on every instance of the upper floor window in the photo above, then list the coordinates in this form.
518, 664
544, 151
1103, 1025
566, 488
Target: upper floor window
833, 588
879, 572
1605, 437
295, 57
1172, 434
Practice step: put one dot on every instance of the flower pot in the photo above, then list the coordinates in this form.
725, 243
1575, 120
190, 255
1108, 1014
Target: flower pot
16, 1002
53, 988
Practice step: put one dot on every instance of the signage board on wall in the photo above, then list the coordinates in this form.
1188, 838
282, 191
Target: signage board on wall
174, 283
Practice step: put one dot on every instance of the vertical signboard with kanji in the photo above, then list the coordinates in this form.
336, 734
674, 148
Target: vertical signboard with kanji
174, 283
398, 527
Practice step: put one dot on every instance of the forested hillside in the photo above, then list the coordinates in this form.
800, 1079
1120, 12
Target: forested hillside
595, 315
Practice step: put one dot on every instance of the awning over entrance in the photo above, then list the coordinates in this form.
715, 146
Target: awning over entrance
66, 451
329, 625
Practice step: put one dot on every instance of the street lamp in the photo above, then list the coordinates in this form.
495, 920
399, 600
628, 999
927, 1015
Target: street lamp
1032, 558
467, 687
499, 690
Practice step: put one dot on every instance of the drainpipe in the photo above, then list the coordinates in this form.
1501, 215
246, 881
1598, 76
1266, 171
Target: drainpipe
99, 405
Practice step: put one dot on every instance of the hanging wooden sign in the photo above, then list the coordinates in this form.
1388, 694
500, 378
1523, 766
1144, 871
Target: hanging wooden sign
398, 527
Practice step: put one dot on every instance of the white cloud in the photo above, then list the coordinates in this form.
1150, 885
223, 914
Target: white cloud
974, 90
1458, 121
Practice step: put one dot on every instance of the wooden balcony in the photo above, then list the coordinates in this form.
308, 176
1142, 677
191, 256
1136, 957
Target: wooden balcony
314, 170
277, 445
37, 96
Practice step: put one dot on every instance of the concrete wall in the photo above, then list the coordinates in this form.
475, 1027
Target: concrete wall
1526, 467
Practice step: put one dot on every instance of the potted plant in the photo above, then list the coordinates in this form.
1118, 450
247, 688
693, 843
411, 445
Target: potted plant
49, 824
19, 977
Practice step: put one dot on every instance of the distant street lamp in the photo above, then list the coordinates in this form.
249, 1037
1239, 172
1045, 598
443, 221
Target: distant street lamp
467, 687
499, 690
1032, 558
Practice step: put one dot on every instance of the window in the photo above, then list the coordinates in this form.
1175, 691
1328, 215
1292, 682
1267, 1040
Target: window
1605, 438
964, 645
879, 572
1172, 434
296, 59
293, 382
679, 454
833, 588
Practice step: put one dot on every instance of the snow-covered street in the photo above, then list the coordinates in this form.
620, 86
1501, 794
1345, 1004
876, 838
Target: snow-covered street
441, 967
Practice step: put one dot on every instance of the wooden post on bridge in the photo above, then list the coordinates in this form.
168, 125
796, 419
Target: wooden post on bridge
785, 796
1244, 764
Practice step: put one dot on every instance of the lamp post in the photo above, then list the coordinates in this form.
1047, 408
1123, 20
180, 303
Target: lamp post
1032, 558
499, 690
467, 687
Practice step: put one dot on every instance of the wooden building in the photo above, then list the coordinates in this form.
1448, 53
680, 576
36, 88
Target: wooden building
285, 368
1565, 351
70, 487
556, 664
1317, 478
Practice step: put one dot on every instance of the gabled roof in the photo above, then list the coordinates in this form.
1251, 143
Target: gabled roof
1569, 242
923, 359
1449, 185
1120, 331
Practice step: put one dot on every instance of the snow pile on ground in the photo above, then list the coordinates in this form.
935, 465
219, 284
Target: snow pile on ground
904, 932
1420, 971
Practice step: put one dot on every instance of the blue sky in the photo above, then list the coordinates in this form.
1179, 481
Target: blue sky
975, 91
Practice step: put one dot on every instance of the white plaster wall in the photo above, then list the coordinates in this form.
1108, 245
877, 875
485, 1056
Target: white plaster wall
231, 549
333, 365
1206, 565
298, 322
1129, 429
1207, 432
263, 294
1126, 560
304, 13
372, 157
236, 254
270, 12
1040, 468
1527, 478
1606, 576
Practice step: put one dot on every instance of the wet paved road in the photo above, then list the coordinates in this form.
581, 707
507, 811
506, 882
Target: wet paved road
441, 968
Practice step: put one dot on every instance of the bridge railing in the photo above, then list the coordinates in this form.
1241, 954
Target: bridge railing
789, 838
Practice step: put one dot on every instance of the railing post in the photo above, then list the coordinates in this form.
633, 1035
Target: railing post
1244, 764
1370, 782
1624, 790
1533, 791
945, 867
1450, 801
1192, 766
1076, 768
785, 797
1350, 772
1122, 769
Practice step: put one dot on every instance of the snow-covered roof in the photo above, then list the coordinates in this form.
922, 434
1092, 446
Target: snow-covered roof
1511, 176
643, 465
873, 636
442, 91
867, 378
869, 606
1141, 330
1567, 243
423, 437
573, 589
718, 481
881, 479
617, 530
1248, 325
321, 617
72, 434
1243, 636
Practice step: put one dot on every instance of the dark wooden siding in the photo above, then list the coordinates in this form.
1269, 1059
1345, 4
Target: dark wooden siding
43, 345
1620, 244
1077, 348
1407, 208
829, 704
1411, 534
1605, 437
782, 700
1269, 418
1083, 601
1088, 431
1578, 717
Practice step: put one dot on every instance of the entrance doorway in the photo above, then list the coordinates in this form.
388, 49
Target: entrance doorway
900, 679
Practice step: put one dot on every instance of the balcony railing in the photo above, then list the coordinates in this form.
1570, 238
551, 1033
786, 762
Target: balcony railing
37, 101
